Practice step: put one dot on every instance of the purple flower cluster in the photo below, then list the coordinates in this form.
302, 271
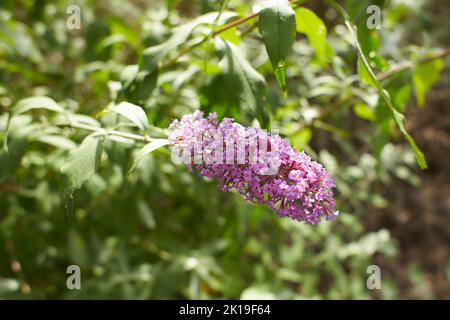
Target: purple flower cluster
261, 166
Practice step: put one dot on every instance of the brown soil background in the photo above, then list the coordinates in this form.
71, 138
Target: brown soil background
419, 217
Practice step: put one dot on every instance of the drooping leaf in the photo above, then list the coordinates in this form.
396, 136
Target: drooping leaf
398, 117
314, 28
148, 148
10, 159
247, 83
133, 113
424, 76
81, 165
277, 27
38, 102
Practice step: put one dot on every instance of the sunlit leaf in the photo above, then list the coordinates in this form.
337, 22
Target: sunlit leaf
314, 28
301, 138
424, 76
38, 102
148, 148
133, 113
364, 111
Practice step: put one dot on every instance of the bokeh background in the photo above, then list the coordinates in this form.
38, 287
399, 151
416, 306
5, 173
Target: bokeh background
163, 232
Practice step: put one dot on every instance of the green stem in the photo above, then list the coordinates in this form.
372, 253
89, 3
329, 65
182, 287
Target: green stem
222, 29
409, 64
109, 132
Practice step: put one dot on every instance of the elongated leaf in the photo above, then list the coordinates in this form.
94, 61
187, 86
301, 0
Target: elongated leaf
247, 83
153, 55
399, 118
10, 159
424, 76
277, 27
80, 118
148, 148
132, 112
145, 81
38, 102
57, 141
81, 165
314, 28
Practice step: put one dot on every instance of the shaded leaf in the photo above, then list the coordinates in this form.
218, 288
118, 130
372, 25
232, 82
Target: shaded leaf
277, 27
146, 214
81, 165
247, 83
10, 159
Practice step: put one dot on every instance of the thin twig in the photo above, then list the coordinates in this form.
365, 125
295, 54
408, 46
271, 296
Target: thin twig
109, 132
408, 64
226, 27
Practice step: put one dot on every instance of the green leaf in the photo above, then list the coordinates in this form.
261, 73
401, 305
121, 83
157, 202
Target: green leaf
401, 96
38, 102
74, 117
247, 83
277, 27
81, 165
153, 55
364, 75
146, 214
148, 148
10, 160
57, 141
301, 138
314, 28
17, 40
364, 112
424, 76
280, 75
398, 117
133, 113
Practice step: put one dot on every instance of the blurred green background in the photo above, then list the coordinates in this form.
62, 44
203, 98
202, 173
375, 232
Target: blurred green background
163, 232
